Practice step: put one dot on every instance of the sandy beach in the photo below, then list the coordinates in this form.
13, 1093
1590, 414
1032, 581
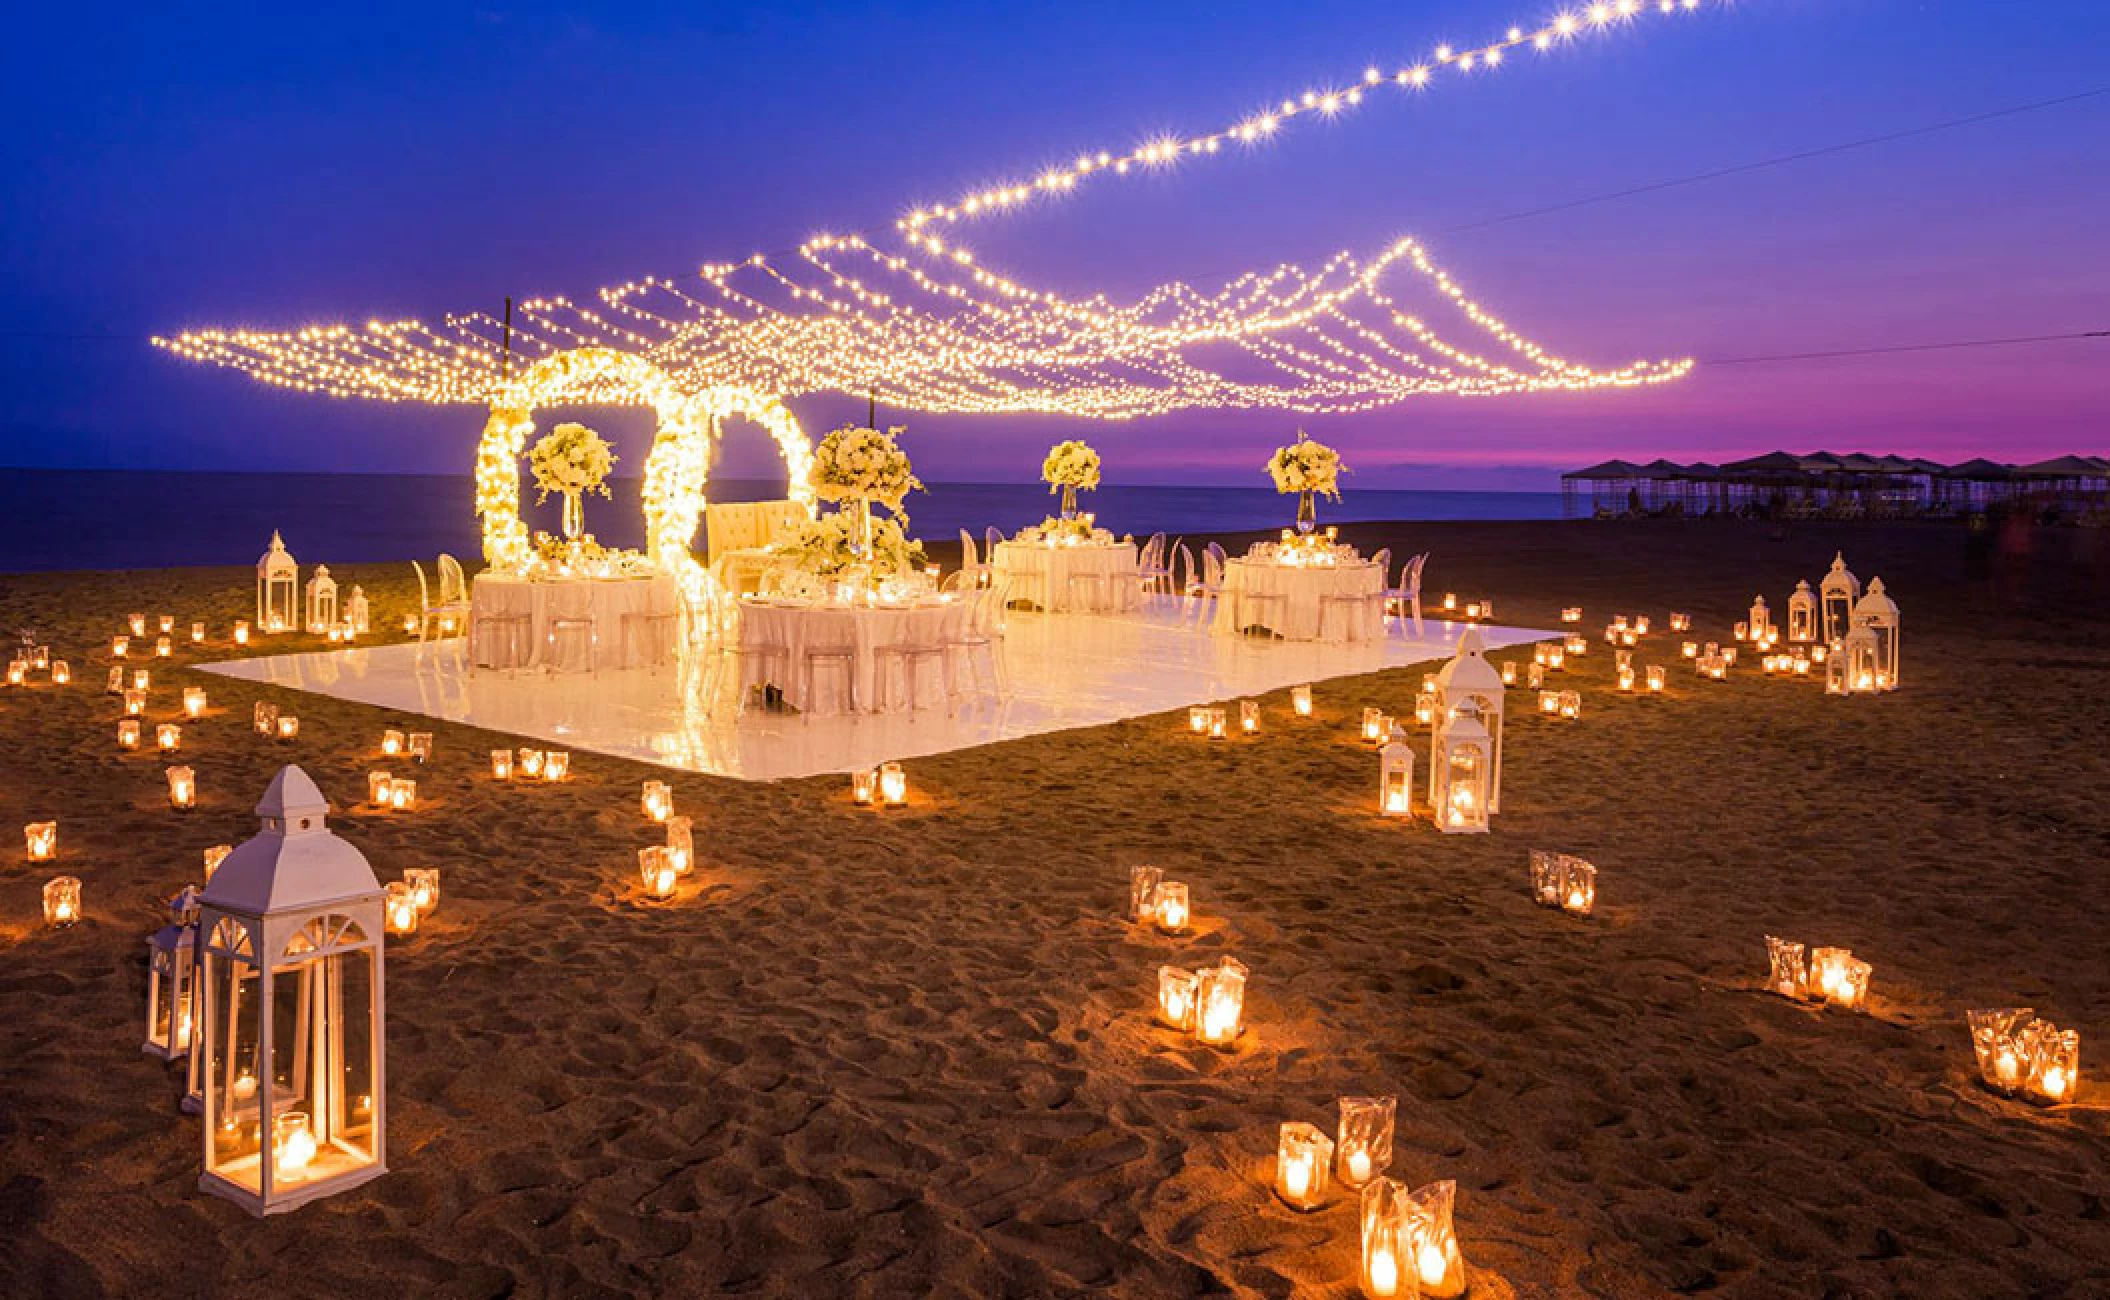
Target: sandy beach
912, 1053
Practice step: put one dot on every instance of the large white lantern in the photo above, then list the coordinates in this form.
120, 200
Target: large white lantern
290, 1044
1468, 680
1802, 613
1459, 768
322, 600
1878, 613
1839, 590
277, 588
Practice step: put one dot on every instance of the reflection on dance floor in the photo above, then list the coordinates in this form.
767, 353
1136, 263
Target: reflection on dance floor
1064, 671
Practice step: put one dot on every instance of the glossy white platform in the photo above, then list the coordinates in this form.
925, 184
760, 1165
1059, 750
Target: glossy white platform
1065, 671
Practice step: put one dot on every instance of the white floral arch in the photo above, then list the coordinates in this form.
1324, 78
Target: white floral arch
676, 471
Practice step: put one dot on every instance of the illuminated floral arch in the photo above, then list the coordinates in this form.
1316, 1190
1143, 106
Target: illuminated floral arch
675, 472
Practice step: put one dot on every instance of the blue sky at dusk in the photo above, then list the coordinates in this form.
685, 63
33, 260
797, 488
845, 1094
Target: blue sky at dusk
273, 166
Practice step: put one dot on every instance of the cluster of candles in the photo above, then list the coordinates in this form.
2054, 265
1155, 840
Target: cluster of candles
533, 764
1156, 901
2020, 1054
1409, 1242
661, 865
885, 786
1564, 881
1471, 609
1566, 705
1625, 631
1208, 1003
410, 900
1214, 720
1833, 976
37, 659
1786, 664
395, 793
417, 745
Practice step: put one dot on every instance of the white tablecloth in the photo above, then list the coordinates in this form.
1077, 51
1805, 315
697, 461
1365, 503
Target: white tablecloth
1295, 616
1041, 574
498, 644
776, 636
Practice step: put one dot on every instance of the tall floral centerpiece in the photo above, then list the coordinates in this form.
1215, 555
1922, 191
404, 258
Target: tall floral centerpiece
858, 467
1071, 467
1308, 469
573, 460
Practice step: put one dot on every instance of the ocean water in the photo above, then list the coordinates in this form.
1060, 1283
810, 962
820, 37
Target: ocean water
93, 519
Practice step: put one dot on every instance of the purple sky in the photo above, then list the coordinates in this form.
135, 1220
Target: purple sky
273, 167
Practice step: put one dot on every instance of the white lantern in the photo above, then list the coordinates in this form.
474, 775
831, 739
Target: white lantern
1802, 613
277, 590
322, 600
1837, 594
290, 981
1468, 680
1761, 620
1878, 613
356, 615
1459, 767
1859, 664
171, 978
1395, 780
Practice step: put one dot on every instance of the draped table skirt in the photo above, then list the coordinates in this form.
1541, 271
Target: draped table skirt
634, 622
1042, 575
1286, 600
776, 637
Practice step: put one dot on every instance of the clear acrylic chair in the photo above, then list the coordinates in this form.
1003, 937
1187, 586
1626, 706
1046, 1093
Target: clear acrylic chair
573, 637
980, 644
646, 638
839, 661
976, 568
1355, 607
1407, 595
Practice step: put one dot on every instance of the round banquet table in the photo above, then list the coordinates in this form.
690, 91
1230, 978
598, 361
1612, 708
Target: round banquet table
636, 621
1285, 599
1043, 575
777, 635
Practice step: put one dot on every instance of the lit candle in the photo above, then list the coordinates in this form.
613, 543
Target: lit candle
169, 737
420, 745
197, 633
214, 856
241, 632
400, 908
402, 793
288, 727
128, 733
1221, 1003
194, 701
1300, 700
138, 624
1249, 716
62, 901
502, 764
1170, 906
531, 762
61, 672
183, 788
681, 844
391, 743
657, 801
893, 785
1302, 1156
555, 765
1176, 994
42, 840
657, 871
293, 1145
424, 883
162, 648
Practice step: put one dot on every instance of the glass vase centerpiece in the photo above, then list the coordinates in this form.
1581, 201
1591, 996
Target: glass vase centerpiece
1309, 470
1071, 467
571, 460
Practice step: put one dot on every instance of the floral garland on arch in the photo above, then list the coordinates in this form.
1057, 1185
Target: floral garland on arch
856, 464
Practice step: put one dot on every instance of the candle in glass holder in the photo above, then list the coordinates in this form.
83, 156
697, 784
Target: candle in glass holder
377, 783
864, 786
1300, 700
1384, 1213
1550, 702
1787, 969
657, 801
1374, 725
556, 765
2001, 1041
1249, 716
120, 646
399, 908
2055, 1063
1198, 719
214, 856
1178, 991
402, 793
1556, 658
194, 701
1840, 979
531, 763
391, 743
501, 764
62, 901
41, 841
1303, 1158
1572, 614
1625, 680
1170, 907
1219, 724
138, 624
197, 633
241, 632
135, 702
893, 785
288, 726
1657, 679
168, 737
424, 885
1509, 672
61, 672
681, 844
657, 871
1570, 705
1143, 893
1363, 1142
17, 672
292, 1146
419, 743
1432, 1241
183, 788
128, 733
1220, 1003
162, 648
1578, 888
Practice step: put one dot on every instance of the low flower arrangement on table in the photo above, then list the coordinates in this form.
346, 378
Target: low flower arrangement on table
1305, 551
1078, 531
583, 557
849, 548
1308, 469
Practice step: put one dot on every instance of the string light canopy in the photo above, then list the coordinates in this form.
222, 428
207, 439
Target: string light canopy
844, 315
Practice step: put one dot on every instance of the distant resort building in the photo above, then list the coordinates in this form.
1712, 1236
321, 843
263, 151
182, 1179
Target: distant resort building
1822, 485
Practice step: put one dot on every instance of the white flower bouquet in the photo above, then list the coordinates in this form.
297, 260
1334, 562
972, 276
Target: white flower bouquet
854, 464
1071, 464
1306, 466
571, 460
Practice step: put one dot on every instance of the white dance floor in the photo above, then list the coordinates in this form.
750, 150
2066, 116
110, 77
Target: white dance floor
1065, 671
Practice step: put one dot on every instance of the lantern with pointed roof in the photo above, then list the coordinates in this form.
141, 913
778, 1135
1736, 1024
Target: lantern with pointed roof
1468, 680
1802, 613
1838, 592
1878, 613
277, 588
322, 600
358, 616
171, 974
290, 1044
1461, 765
